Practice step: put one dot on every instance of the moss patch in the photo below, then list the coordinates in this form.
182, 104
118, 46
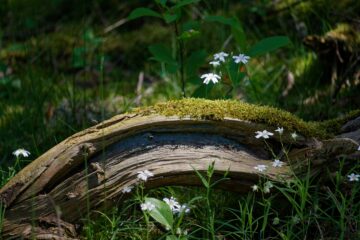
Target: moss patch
334, 125
219, 109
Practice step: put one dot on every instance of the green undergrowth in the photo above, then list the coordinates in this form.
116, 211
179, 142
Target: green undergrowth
298, 209
220, 109
71, 45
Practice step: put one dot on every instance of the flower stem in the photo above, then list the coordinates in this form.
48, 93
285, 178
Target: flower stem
181, 58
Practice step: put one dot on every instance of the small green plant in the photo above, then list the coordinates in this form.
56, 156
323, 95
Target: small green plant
11, 171
169, 213
185, 66
172, 13
209, 184
86, 54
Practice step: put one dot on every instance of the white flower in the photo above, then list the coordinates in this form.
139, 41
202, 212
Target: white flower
147, 206
181, 232
263, 134
22, 152
280, 130
294, 135
210, 77
277, 163
255, 188
173, 204
359, 148
353, 177
215, 63
220, 56
127, 189
268, 184
144, 175
261, 168
182, 208
241, 58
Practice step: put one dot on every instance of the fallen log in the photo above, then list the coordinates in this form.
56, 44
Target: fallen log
48, 198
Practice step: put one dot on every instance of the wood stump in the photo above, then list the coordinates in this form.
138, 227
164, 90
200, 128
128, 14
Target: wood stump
48, 198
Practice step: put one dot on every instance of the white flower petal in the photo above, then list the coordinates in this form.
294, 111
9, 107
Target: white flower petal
210, 77
220, 56
22, 152
277, 163
147, 206
261, 167
127, 189
241, 58
173, 203
353, 177
280, 130
214, 63
263, 134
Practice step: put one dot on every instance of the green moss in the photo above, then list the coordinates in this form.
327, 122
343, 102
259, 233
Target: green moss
334, 125
219, 109
346, 33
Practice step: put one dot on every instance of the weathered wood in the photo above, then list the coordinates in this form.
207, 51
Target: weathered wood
94, 165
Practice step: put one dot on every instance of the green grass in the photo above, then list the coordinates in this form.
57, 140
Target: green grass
307, 209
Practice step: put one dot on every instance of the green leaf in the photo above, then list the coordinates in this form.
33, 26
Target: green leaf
171, 68
239, 34
221, 19
268, 44
184, 3
143, 12
162, 212
235, 74
236, 27
169, 18
203, 180
189, 34
191, 24
79, 57
162, 2
194, 62
162, 54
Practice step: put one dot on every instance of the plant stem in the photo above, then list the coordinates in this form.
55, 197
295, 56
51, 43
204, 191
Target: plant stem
181, 56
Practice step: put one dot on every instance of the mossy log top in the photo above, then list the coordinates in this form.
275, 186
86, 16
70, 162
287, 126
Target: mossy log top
270, 116
171, 140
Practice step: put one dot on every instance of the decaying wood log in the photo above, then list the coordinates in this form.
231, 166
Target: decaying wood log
48, 198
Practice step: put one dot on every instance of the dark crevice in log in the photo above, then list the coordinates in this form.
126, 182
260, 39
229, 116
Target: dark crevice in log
146, 140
